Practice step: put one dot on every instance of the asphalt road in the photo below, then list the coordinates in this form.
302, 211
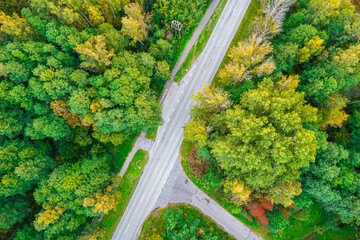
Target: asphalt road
176, 106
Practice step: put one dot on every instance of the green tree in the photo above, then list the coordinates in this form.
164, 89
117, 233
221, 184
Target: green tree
22, 165
333, 181
47, 126
261, 140
12, 210
62, 194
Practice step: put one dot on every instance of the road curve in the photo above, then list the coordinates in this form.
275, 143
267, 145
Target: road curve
176, 106
186, 192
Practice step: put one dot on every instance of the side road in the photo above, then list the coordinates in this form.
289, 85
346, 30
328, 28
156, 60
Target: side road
185, 191
177, 103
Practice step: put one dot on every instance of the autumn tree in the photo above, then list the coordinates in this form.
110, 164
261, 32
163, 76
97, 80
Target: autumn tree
333, 114
257, 211
270, 22
248, 59
134, 24
94, 55
102, 201
61, 109
238, 192
14, 26
211, 101
261, 140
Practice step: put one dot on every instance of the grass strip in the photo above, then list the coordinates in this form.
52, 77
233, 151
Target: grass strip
201, 41
126, 189
151, 133
155, 223
121, 152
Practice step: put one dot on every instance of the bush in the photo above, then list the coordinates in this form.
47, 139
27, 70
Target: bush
277, 220
258, 212
197, 165
303, 201
303, 215
213, 177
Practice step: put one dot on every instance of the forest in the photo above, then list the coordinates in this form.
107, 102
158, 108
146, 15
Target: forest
276, 135
77, 80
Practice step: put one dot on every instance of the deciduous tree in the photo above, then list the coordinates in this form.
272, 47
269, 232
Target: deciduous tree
262, 139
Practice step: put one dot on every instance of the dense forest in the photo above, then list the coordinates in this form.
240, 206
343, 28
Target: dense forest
77, 78
278, 131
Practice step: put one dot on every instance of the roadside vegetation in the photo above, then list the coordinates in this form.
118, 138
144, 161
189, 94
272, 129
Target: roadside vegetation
126, 188
151, 133
200, 42
79, 81
180, 222
274, 138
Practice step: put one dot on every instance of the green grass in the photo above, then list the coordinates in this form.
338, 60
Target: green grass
126, 189
243, 31
151, 133
201, 41
156, 224
121, 152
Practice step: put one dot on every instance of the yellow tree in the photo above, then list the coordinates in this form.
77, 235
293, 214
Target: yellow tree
311, 48
248, 59
15, 26
50, 215
135, 23
334, 115
102, 201
353, 29
238, 192
95, 15
94, 55
322, 9
195, 131
284, 192
211, 101
132, 28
